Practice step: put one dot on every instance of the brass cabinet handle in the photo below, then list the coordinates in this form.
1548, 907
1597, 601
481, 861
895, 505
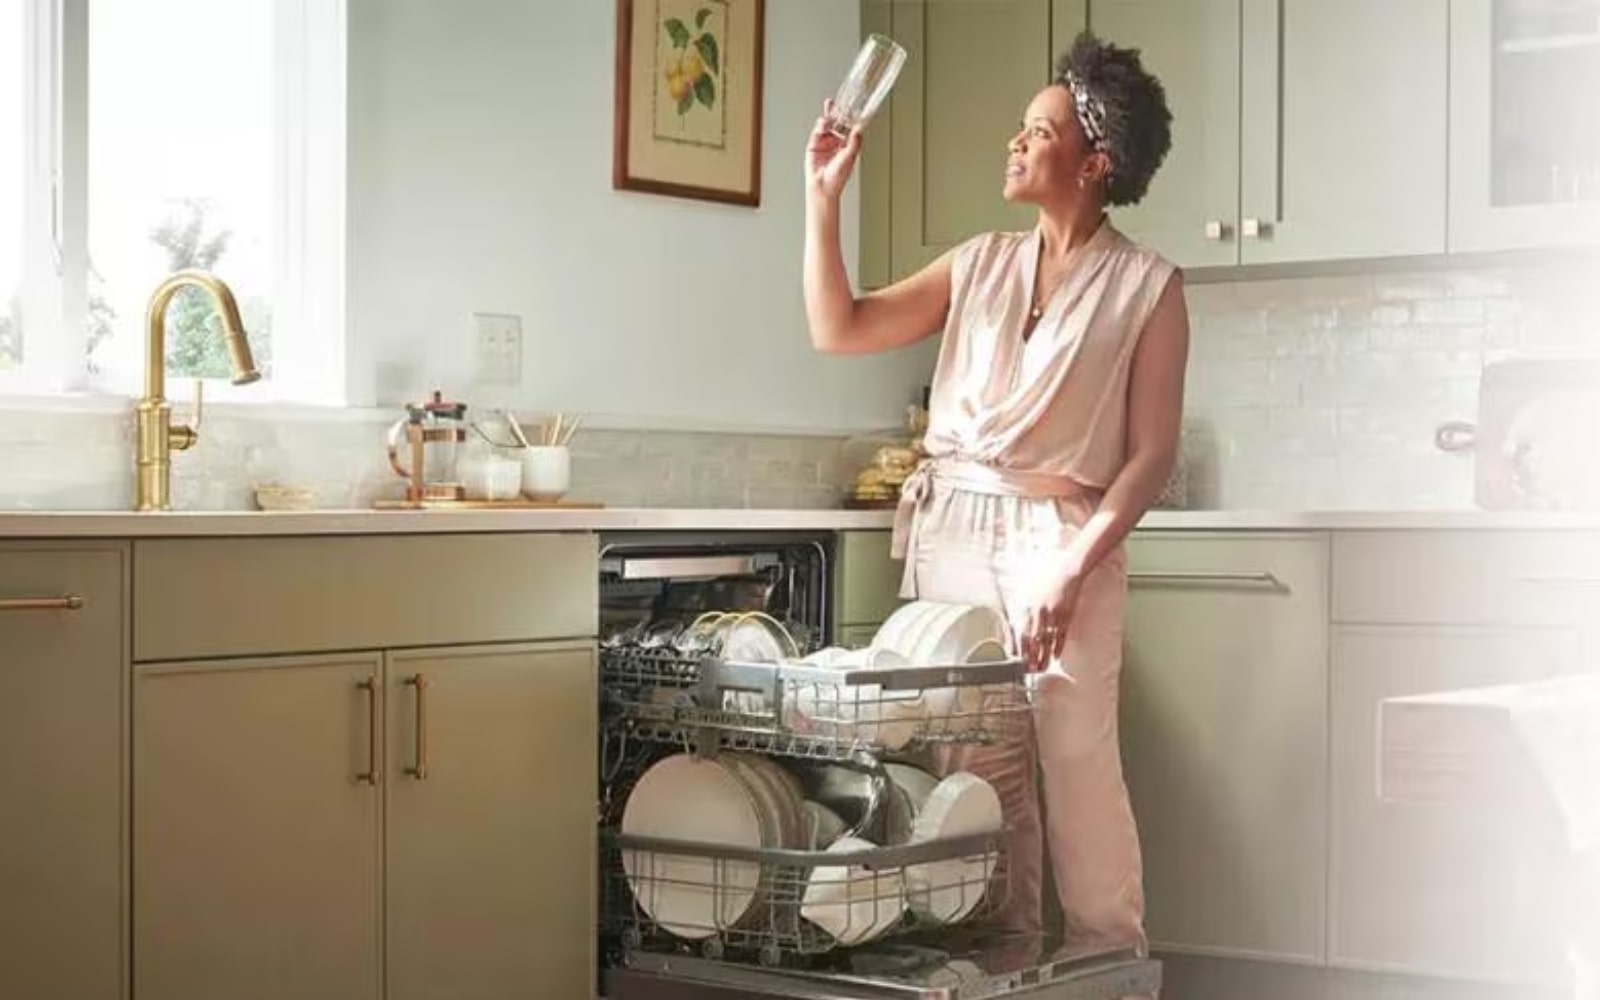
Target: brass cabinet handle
1259, 579
70, 602
420, 769
372, 775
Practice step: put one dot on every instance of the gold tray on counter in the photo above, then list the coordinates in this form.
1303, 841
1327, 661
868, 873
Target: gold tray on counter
487, 505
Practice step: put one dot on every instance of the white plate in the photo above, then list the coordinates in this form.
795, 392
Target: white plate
961, 709
900, 629
917, 783
945, 638
830, 707
822, 825
946, 892
688, 798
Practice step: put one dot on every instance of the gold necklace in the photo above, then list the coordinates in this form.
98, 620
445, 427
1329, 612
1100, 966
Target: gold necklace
1040, 302
1037, 309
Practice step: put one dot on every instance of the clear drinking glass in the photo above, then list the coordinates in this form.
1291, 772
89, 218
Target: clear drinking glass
871, 78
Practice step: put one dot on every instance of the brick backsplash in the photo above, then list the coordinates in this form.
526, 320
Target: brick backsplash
53, 460
1324, 393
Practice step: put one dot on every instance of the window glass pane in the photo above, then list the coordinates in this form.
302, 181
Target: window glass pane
181, 174
13, 153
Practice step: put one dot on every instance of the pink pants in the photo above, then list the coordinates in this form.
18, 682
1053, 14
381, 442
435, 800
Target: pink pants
978, 548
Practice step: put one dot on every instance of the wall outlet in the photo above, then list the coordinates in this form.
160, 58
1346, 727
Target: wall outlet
499, 348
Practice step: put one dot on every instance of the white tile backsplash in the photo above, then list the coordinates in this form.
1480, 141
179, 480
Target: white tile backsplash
1325, 392
1308, 393
53, 460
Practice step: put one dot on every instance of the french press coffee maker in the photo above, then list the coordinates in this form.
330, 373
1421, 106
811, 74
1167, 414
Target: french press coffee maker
430, 435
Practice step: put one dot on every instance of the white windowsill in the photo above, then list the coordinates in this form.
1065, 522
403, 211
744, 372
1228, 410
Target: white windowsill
236, 408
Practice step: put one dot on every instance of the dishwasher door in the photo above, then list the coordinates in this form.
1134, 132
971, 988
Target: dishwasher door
1014, 969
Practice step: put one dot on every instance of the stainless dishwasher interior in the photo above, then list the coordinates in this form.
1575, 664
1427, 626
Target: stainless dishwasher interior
648, 580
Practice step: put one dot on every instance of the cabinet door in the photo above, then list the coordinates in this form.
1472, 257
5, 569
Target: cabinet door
490, 833
255, 829
1524, 137
1344, 121
1433, 888
63, 674
1191, 211
1224, 736
971, 68
866, 579
873, 168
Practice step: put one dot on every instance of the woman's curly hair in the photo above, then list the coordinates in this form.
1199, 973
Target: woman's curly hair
1137, 124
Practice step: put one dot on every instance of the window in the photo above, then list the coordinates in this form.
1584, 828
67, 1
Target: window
13, 165
169, 134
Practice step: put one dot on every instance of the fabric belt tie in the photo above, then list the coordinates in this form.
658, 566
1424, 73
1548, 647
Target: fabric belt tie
972, 477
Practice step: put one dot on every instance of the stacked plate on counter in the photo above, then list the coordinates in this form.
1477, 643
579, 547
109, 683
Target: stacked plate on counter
755, 803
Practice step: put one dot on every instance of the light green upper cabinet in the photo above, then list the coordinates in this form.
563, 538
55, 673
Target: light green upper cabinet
1302, 130
1343, 136
1191, 211
933, 162
872, 169
1524, 137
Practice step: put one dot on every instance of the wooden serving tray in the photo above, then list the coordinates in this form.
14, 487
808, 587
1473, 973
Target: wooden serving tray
487, 505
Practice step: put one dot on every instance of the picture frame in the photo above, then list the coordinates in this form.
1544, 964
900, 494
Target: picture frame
688, 117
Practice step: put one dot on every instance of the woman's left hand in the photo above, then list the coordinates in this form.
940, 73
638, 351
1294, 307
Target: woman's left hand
1044, 636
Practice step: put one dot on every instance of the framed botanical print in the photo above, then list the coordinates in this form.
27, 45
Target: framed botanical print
688, 98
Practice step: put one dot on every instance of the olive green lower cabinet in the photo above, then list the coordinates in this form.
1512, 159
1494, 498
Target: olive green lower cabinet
866, 586
257, 829
1224, 730
326, 826
63, 684
398, 822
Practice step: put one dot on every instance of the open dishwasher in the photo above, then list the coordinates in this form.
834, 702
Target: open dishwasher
786, 858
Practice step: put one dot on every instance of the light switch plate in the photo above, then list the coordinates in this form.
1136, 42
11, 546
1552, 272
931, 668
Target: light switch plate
499, 358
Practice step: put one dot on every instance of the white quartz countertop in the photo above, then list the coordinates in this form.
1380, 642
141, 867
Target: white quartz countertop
178, 524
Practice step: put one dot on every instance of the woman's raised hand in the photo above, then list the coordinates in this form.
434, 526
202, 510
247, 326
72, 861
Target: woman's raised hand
830, 159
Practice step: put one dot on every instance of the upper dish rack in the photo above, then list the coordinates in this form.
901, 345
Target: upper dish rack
804, 709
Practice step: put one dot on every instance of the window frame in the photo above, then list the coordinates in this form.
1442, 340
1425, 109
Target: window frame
309, 206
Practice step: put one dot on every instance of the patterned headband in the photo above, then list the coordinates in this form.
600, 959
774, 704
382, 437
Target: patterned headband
1091, 113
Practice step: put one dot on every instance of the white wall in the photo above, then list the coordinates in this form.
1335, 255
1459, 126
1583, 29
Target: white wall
481, 144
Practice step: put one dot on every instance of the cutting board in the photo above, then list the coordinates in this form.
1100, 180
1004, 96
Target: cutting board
1535, 440
486, 505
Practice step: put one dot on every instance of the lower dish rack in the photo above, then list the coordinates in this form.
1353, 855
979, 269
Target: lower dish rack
778, 906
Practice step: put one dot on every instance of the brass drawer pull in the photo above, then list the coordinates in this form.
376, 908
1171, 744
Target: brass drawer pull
372, 775
1263, 579
71, 602
420, 769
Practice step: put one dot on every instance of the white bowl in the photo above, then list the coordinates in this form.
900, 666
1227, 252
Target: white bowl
850, 902
946, 892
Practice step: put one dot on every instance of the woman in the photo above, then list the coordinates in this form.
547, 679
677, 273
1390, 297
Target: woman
1054, 421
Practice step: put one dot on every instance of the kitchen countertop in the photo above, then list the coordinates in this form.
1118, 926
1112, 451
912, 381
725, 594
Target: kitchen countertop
180, 524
